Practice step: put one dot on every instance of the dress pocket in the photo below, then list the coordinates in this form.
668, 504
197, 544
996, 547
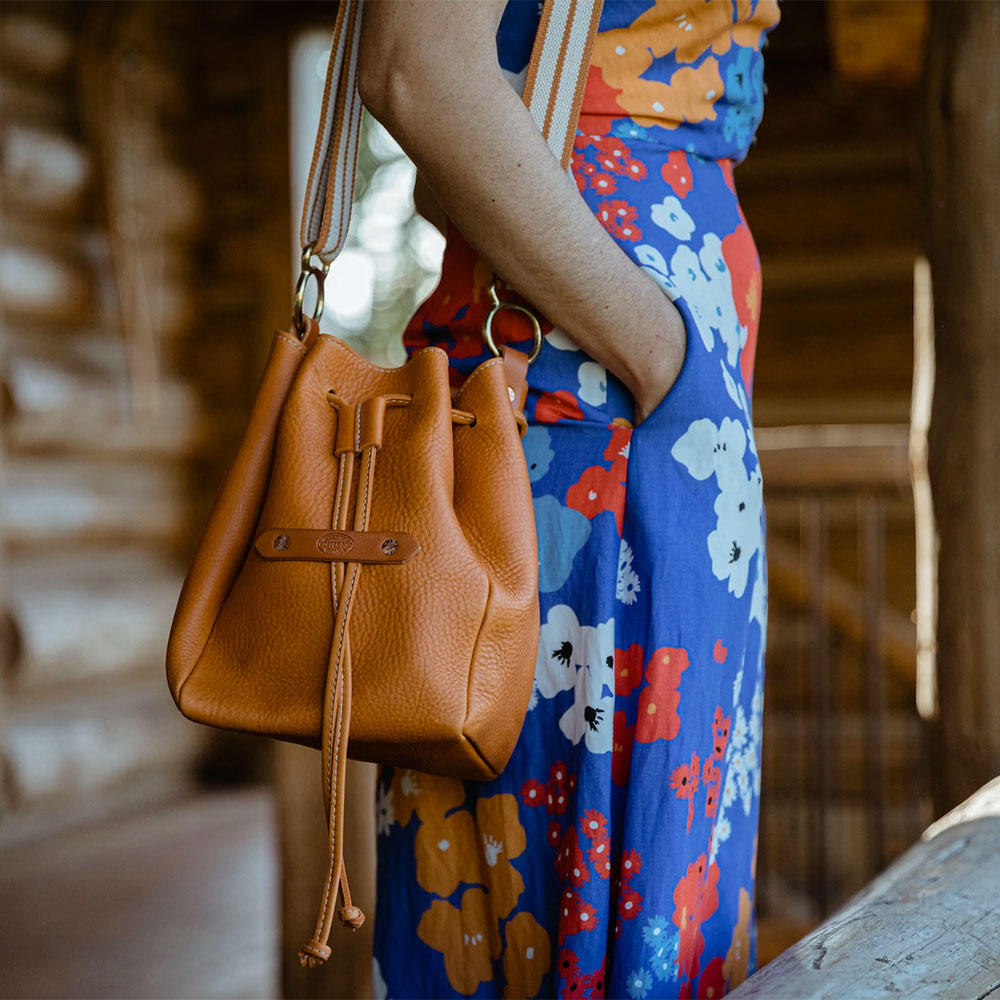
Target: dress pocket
668, 402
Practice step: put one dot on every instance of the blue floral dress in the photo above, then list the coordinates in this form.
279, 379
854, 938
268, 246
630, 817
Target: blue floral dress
615, 855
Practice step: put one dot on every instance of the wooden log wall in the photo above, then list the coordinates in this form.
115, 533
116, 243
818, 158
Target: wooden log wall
831, 194
114, 429
962, 131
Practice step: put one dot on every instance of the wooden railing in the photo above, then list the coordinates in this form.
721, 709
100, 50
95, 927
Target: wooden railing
832, 494
927, 927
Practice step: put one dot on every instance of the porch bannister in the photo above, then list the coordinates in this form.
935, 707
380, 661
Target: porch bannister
927, 928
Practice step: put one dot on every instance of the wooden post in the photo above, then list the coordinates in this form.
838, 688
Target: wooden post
962, 153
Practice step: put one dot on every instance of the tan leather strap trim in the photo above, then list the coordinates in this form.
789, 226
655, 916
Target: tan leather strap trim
515, 367
324, 545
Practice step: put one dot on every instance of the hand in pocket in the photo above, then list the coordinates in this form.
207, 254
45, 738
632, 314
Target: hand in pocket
660, 353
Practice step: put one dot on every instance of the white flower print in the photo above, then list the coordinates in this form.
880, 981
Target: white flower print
559, 340
653, 263
581, 658
738, 737
704, 282
705, 449
670, 215
383, 810
593, 380
380, 989
627, 588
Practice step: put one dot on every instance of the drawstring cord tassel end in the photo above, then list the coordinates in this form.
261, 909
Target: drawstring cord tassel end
314, 955
351, 916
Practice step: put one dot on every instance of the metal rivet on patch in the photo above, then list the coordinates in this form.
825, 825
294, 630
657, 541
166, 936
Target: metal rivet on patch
281, 542
389, 546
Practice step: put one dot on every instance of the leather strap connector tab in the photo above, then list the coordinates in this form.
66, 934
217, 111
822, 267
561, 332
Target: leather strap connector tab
324, 545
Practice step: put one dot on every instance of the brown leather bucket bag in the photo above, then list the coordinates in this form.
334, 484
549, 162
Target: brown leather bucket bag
367, 582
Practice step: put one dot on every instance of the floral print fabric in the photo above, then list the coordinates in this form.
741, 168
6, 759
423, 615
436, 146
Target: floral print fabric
615, 855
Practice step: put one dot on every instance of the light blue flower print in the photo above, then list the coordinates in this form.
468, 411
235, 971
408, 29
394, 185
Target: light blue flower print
538, 451
655, 931
629, 130
665, 959
639, 984
562, 532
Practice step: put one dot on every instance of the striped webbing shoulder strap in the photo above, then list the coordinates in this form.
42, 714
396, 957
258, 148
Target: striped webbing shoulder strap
553, 92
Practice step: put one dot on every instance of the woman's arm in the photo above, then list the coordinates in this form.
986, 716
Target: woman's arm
429, 74
427, 206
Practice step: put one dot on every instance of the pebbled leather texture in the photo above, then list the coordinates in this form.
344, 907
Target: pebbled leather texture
443, 645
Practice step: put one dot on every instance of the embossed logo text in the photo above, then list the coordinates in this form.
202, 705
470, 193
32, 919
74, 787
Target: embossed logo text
335, 543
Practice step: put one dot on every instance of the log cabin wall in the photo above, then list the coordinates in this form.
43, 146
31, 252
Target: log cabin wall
144, 262
831, 194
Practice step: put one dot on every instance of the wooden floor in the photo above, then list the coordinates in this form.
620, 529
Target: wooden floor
177, 902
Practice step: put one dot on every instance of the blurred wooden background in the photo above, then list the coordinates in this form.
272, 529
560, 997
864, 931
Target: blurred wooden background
145, 258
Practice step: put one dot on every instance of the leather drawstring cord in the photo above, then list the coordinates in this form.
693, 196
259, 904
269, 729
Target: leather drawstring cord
359, 433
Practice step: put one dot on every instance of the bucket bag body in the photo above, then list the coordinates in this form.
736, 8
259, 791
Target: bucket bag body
367, 580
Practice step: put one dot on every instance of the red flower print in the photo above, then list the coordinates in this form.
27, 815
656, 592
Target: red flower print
554, 406
597, 490
713, 979
696, 898
555, 790
685, 781
594, 824
631, 865
599, 854
604, 183
575, 915
555, 800
628, 669
533, 793
740, 254
629, 904
622, 738
634, 169
658, 718
555, 833
618, 218
710, 771
611, 153
719, 652
569, 861
617, 450
720, 733
571, 980
677, 173
600, 95
594, 982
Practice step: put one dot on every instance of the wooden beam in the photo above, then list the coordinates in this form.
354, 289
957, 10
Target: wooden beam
925, 928
962, 135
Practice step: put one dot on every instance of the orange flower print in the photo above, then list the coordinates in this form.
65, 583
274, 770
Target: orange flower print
467, 938
526, 958
618, 218
501, 839
445, 854
737, 961
429, 795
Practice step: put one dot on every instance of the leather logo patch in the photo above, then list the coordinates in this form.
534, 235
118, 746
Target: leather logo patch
335, 543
